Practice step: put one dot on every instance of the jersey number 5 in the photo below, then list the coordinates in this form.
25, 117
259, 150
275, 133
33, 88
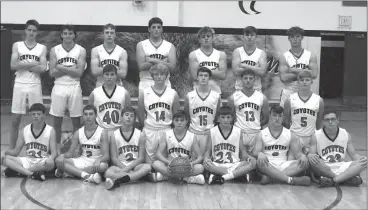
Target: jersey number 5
160, 116
303, 121
114, 117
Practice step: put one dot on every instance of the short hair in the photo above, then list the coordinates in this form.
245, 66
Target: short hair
296, 30
37, 107
107, 26
32, 22
205, 30
110, 68
250, 30
204, 69
180, 114
154, 20
247, 72
90, 107
277, 109
305, 74
69, 27
225, 110
128, 109
330, 111
159, 68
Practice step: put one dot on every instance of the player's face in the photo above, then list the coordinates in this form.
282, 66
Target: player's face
31, 32
305, 83
180, 122
250, 38
37, 116
110, 77
330, 120
225, 120
68, 36
277, 119
109, 35
206, 39
296, 40
203, 77
155, 30
159, 77
89, 116
248, 81
128, 118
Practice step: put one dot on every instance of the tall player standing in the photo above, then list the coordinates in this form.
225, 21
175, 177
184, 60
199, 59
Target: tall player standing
28, 59
249, 57
67, 63
153, 51
294, 61
109, 53
207, 56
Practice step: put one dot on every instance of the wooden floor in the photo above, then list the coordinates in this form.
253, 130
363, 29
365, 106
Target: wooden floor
22, 193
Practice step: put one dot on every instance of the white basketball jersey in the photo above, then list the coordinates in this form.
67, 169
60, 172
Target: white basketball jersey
91, 147
202, 110
248, 111
37, 146
128, 148
106, 57
211, 62
158, 108
304, 114
276, 148
300, 62
26, 55
176, 148
161, 52
109, 106
225, 149
252, 60
332, 150
67, 59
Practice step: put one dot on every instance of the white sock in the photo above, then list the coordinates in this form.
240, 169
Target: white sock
228, 176
84, 174
289, 180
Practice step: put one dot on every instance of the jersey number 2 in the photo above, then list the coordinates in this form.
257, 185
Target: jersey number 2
160, 116
114, 117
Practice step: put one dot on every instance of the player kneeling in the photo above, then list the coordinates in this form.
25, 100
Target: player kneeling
226, 157
127, 147
272, 146
95, 151
179, 142
327, 154
39, 139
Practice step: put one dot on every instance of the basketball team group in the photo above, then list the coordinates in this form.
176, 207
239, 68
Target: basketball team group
244, 140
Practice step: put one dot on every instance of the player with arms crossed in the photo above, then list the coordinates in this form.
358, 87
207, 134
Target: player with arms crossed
249, 57
95, 151
209, 57
158, 102
251, 109
272, 146
39, 140
109, 99
67, 63
327, 155
109, 53
179, 142
154, 50
28, 59
294, 61
201, 105
304, 111
226, 157
127, 148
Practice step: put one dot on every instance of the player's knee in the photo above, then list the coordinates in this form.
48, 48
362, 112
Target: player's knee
156, 164
199, 168
146, 168
103, 167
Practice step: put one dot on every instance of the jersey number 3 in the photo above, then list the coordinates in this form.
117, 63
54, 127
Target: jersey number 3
114, 117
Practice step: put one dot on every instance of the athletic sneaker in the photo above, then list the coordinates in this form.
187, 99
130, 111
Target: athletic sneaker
160, 177
59, 173
216, 179
38, 176
243, 179
303, 180
354, 181
326, 182
199, 179
265, 180
150, 177
109, 184
93, 178
8, 172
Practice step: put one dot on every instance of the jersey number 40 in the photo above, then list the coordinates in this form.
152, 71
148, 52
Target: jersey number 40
114, 117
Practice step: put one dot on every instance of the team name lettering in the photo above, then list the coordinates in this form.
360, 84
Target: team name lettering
202, 109
249, 105
304, 111
159, 105
109, 105
179, 150
110, 61
67, 60
224, 146
300, 66
274, 147
35, 145
208, 64
89, 146
128, 148
157, 56
248, 62
333, 148
30, 57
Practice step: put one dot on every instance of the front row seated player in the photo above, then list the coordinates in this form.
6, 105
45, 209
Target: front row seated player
226, 156
39, 139
176, 142
272, 146
95, 151
328, 150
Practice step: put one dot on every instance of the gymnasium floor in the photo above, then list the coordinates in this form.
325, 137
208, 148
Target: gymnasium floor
22, 193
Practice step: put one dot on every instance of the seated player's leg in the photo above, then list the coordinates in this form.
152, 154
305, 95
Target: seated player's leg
22, 166
304, 142
163, 171
78, 166
39, 165
241, 170
196, 176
